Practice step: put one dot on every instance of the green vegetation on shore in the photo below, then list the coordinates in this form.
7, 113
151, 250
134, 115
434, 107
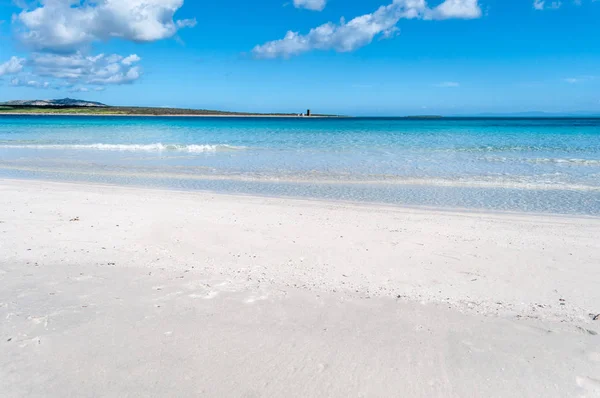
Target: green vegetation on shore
124, 111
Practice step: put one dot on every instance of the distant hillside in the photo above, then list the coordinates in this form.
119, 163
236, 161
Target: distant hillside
65, 102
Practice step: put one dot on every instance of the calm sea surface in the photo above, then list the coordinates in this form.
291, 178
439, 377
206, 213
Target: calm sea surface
537, 165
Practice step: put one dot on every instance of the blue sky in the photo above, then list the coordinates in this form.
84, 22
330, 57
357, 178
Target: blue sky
385, 57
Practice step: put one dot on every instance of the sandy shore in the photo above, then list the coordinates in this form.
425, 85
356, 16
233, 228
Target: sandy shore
115, 291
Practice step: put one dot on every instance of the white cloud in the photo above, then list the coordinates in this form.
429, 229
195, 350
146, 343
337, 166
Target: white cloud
345, 36
29, 83
315, 5
76, 69
544, 5
541, 5
116, 77
461, 9
132, 59
65, 26
187, 23
59, 34
360, 31
447, 85
12, 66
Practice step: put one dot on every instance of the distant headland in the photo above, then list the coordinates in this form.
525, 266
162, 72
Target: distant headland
69, 106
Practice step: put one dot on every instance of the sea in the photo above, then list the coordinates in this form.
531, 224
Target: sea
539, 165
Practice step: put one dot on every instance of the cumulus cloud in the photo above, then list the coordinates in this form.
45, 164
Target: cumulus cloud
461, 9
65, 26
12, 66
187, 23
315, 5
345, 36
544, 5
59, 34
132, 59
360, 31
541, 5
77, 69
16, 82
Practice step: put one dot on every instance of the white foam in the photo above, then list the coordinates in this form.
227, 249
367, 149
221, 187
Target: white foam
567, 161
158, 147
584, 162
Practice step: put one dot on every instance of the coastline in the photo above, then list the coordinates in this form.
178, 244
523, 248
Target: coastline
272, 289
183, 115
365, 204
390, 181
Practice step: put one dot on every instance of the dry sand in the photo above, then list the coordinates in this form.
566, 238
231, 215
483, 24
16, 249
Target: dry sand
115, 291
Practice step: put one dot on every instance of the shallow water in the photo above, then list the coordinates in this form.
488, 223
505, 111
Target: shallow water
538, 165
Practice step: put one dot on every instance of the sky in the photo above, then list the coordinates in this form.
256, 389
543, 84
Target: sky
352, 57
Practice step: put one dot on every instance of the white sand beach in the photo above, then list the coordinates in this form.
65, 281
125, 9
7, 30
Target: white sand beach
118, 291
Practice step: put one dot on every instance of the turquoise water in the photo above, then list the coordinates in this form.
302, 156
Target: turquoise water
539, 165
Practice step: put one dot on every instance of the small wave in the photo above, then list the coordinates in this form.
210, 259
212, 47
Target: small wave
585, 162
158, 147
489, 148
518, 148
531, 183
579, 162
